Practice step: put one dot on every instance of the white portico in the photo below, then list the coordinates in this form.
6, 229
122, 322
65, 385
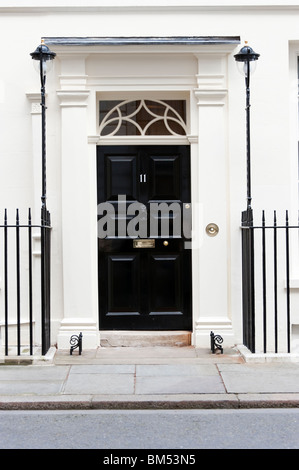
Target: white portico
192, 69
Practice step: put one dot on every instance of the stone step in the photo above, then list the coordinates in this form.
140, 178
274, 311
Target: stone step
145, 338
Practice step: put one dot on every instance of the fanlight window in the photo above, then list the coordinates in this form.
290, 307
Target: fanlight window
143, 117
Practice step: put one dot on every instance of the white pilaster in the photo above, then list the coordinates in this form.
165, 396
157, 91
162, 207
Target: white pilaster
78, 222
211, 295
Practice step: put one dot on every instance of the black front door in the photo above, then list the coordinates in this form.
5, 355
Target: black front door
144, 231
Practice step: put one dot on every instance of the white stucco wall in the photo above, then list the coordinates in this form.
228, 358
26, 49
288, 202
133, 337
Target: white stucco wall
270, 28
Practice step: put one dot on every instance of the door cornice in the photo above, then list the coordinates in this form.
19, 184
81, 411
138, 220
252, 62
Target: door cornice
142, 140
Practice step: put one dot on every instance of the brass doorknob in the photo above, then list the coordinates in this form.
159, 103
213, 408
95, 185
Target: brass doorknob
165, 243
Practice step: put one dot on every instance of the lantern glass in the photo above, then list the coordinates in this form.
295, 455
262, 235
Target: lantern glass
243, 67
47, 66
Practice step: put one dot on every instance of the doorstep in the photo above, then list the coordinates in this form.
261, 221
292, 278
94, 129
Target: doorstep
145, 338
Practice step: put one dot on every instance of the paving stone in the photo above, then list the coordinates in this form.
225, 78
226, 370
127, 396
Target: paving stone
260, 378
177, 370
33, 372
99, 384
103, 369
177, 384
30, 387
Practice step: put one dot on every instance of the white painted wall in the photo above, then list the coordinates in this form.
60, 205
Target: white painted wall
219, 179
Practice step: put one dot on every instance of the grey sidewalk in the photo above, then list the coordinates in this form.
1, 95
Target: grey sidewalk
148, 378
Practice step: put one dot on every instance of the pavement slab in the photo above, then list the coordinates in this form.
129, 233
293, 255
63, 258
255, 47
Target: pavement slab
103, 369
32, 387
92, 383
260, 378
177, 385
39, 373
182, 370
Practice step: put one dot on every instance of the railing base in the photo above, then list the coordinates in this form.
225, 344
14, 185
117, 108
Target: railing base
25, 358
261, 358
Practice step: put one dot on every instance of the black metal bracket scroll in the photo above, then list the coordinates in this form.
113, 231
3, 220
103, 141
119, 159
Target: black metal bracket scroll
76, 342
216, 341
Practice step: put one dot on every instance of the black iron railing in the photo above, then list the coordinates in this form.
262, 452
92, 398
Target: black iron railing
266, 261
19, 284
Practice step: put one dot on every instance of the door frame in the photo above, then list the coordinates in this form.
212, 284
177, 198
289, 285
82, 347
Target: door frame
196, 208
190, 140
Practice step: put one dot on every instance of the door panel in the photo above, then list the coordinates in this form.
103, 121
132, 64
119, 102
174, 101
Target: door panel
165, 292
120, 176
149, 286
123, 284
164, 178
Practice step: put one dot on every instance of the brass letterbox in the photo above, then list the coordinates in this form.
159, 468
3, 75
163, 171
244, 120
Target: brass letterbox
144, 243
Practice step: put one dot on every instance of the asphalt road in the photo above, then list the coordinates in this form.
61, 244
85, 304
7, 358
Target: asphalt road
169, 429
